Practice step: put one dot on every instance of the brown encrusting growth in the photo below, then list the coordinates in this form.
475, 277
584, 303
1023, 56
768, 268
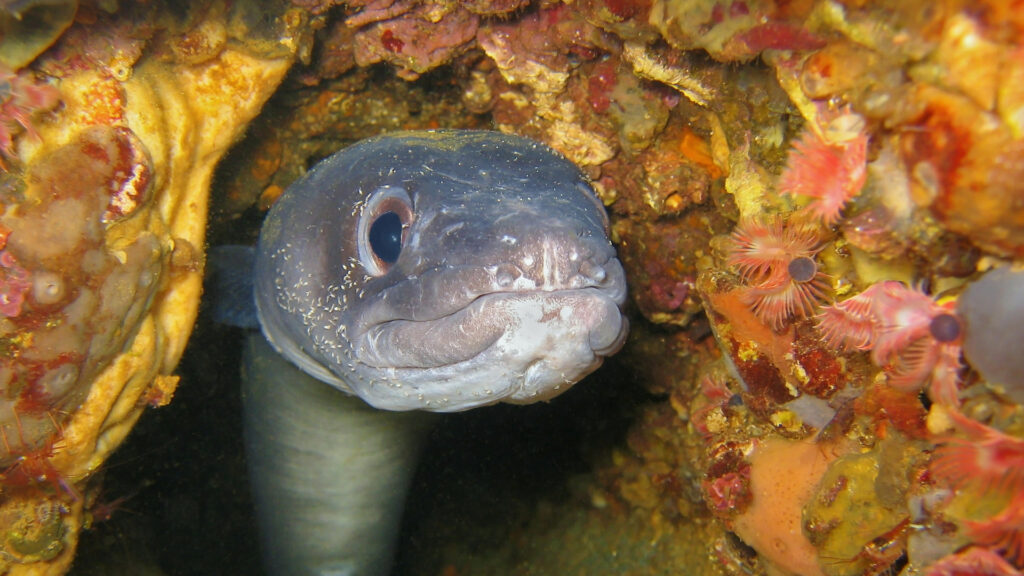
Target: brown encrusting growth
799, 191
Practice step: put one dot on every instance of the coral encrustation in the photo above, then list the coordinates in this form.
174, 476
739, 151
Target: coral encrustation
72, 295
108, 141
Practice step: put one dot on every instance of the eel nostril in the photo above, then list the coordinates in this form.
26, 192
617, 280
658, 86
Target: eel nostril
506, 275
593, 271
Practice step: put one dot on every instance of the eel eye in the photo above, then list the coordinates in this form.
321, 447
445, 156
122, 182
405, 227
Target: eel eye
383, 225
386, 237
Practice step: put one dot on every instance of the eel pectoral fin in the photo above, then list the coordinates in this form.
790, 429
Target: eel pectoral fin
228, 285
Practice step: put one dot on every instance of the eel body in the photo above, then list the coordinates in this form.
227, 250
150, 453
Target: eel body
418, 271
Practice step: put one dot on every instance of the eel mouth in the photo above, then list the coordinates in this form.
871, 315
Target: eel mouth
516, 347
452, 338
587, 315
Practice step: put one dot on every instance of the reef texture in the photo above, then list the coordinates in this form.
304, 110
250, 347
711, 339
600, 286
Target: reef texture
800, 193
109, 133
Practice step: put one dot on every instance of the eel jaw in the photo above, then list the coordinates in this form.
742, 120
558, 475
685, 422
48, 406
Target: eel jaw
503, 347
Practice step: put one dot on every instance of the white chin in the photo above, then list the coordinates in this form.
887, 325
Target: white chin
548, 341
559, 339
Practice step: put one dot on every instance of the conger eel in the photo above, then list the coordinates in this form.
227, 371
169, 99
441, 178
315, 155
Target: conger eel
418, 271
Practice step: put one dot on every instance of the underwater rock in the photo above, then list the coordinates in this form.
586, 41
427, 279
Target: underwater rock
966, 168
858, 515
415, 38
891, 133
28, 27
25, 99
733, 30
100, 273
77, 301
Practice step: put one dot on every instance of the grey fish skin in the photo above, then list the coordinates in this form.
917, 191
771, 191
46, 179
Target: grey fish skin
507, 287
328, 472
